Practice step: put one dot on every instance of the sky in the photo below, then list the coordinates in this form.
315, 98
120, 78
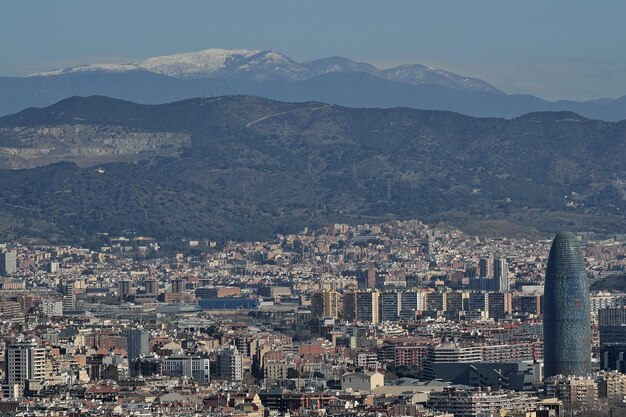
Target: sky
554, 49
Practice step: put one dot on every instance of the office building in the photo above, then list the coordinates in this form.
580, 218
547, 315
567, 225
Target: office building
612, 326
192, 367
613, 357
566, 318
612, 316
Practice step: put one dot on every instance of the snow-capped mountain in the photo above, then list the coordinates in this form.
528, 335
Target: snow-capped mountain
88, 68
417, 74
253, 65
207, 63
339, 64
270, 74
267, 65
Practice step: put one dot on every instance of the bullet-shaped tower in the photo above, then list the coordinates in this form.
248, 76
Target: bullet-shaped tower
566, 317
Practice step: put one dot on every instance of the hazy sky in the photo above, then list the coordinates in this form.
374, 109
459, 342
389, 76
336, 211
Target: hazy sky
550, 48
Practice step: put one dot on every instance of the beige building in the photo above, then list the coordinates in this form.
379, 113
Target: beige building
575, 392
612, 387
362, 381
325, 304
275, 370
583, 393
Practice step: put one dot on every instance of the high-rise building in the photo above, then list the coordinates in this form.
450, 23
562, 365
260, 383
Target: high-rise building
8, 263
478, 301
566, 318
178, 286
603, 300
152, 286
69, 297
457, 302
317, 304
612, 326
499, 305
529, 304
123, 288
138, 342
436, 301
24, 364
371, 277
501, 275
349, 306
390, 306
612, 316
231, 364
486, 267
411, 302
367, 306
325, 304
613, 357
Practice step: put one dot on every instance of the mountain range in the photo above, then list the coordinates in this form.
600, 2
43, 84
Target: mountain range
270, 74
245, 167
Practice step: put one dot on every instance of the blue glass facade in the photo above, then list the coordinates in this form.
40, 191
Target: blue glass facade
566, 317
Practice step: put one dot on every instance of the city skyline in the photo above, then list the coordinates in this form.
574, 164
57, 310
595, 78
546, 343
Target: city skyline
232, 208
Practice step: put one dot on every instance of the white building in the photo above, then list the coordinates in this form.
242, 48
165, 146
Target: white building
24, 367
52, 308
192, 367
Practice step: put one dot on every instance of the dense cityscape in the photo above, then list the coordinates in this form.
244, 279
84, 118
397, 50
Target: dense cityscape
393, 319
355, 208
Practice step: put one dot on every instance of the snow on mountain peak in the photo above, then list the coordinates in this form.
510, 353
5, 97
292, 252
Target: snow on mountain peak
184, 65
195, 64
270, 64
88, 68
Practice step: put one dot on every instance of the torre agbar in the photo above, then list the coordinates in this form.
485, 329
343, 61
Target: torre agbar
566, 320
